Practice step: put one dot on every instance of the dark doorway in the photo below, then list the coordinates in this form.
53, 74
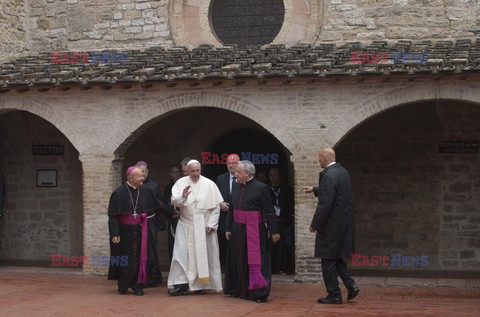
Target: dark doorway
411, 199
40, 219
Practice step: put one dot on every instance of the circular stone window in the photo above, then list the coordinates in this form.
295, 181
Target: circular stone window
246, 22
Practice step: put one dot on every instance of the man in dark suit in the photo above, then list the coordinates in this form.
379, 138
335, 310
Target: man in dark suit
334, 225
225, 183
282, 253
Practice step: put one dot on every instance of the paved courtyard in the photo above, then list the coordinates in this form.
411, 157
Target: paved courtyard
63, 292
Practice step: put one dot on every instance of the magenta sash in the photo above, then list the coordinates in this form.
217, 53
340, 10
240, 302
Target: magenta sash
141, 219
251, 219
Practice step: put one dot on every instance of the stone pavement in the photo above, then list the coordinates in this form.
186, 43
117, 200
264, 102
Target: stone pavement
66, 292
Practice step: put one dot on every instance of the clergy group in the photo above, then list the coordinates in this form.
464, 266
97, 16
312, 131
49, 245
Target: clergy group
243, 207
237, 224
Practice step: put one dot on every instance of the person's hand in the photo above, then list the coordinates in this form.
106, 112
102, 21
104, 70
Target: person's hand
275, 237
311, 229
186, 192
116, 240
224, 206
227, 235
307, 189
210, 230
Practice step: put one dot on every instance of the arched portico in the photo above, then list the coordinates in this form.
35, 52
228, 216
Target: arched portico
43, 210
409, 93
413, 197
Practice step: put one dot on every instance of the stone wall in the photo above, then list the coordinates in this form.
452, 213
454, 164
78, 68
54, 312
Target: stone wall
92, 24
45, 25
13, 30
409, 198
38, 221
360, 20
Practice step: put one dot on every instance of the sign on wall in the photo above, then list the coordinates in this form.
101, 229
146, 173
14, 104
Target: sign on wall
46, 178
47, 149
458, 147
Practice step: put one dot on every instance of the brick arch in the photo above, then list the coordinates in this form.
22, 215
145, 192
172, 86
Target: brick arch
394, 98
121, 139
190, 25
49, 114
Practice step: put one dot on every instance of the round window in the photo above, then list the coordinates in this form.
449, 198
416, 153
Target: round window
246, 22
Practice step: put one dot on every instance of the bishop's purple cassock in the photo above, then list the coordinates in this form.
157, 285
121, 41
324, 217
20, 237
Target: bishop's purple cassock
127, 218
251, 221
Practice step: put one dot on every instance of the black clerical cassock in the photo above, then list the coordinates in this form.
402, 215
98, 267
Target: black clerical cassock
127, 218
251, 207
156, 221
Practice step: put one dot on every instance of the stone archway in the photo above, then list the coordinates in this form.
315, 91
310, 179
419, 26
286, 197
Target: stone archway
411, 199
41, 219
46, 111
121, 138
394, 97
188, 132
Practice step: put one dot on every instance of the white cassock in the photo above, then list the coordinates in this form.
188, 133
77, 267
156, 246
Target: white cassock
195, 257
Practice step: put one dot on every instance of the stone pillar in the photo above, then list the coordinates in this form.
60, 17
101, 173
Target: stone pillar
307, 267
101, 175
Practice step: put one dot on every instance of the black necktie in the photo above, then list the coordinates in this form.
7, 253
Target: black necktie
233, 182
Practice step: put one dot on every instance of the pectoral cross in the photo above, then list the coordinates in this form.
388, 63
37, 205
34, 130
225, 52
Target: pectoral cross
195, 202
134, 215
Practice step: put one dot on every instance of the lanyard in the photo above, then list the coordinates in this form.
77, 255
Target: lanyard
276, 194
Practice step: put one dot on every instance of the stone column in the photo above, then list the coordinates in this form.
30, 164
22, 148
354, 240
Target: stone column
101, 175
307, 267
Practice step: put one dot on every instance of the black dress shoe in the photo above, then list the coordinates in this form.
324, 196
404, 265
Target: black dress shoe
353, 292
199, 292
138, 292
261, 300
177, 291
329, 300
233, 295
122, 292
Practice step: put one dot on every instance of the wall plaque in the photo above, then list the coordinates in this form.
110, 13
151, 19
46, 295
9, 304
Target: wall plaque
47, 149
458, 147
46, 178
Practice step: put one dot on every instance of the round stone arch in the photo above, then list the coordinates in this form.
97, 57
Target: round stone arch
395, 98
48, 113
190, 25
122, 138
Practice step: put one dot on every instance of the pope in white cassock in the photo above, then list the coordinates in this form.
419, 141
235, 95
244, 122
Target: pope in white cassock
195, 262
